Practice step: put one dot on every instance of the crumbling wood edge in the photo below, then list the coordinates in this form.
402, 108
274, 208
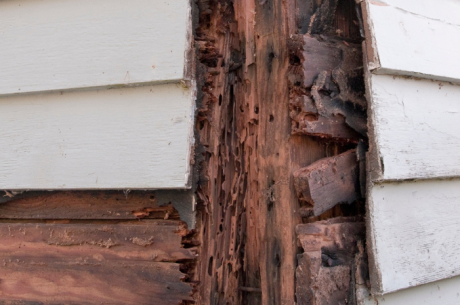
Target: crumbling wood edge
328, 182
327, 269
328, 102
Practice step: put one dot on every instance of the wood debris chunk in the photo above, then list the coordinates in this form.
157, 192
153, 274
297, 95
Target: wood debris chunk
324, 273
328, 182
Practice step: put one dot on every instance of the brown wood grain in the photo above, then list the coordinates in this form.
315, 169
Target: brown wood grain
50, 281
146, 240
86, 205
325, 274
329, 181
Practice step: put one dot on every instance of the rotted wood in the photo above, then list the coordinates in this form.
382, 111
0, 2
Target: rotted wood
247, 152
326, 274
153, 240
51, 281
327, 88
160, 204
328, 182
247, 201
129, 263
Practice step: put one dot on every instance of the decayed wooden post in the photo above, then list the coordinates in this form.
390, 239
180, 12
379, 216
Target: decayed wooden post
282, 87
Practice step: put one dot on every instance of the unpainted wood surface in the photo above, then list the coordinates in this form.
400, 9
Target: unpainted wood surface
327, 98
58, 45
51, 281
445, 292
324, 272
153, 240
413, 233
416, 37
328, 182
88, 205
136, 138
416, 125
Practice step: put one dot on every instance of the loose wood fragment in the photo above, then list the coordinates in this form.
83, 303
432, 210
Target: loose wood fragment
327, 92
324, 273
328, 182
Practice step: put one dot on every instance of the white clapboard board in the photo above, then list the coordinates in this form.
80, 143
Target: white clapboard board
62, 44
417, 124
416, 37
95, 94
413, 84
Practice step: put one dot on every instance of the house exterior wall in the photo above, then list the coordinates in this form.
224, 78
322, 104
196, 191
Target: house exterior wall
412, 197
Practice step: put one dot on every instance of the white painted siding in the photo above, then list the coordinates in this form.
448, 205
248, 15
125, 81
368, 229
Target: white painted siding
414, 178
92, 94
131, 138
417, 37
62, 44
445, 292
417, 125
415, 226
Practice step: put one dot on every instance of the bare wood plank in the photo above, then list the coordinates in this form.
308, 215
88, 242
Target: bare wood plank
410, 37
87, 205
329, 181
128, 138
146, 240
92, 282
67, 44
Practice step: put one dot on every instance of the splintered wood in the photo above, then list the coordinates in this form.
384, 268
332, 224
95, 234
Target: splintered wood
262, 64
327, 99
77, 257
327, 102
328, 182
326, 270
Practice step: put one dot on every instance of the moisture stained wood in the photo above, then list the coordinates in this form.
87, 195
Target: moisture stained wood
409, 37
413, 233
86, 205
51, 281
331, 70
153, 240
136, 138
324, 273
416, 125
247, 153
59, 45
328, 182
92, 263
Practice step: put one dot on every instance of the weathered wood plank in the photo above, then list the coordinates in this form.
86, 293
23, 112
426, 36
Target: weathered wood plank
92, 281
130, 138
416, 126
58, 45
328, 182
413, 233
410, 37
151, 240
87, 205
